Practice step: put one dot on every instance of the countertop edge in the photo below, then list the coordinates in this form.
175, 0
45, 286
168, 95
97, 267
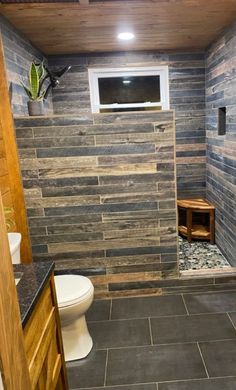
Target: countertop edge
31, 285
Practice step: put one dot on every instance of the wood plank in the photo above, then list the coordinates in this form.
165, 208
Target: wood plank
197, 231
4, 184
40, 353
12, 161
2, 149
44, 350
3, 167
62, 380
36, 324
196, 204
82, 27
12, 354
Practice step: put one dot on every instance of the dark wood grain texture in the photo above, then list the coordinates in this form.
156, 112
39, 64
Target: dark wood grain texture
158, 25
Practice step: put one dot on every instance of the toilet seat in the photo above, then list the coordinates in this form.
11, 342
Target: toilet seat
71, 289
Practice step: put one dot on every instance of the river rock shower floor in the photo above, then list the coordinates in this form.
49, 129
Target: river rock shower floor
174, 342
200, 255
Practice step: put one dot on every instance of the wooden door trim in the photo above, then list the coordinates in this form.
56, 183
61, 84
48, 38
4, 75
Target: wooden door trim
13, 362
12, 160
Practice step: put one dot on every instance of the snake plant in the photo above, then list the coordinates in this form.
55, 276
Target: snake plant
36, 78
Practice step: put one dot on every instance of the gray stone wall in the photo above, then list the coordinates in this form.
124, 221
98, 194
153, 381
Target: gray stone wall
221, 150
19, 53
187, 98
101, 195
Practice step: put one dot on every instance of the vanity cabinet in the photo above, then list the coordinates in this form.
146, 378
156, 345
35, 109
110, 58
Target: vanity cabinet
43, 343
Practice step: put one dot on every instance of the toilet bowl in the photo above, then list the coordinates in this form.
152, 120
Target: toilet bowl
74, 296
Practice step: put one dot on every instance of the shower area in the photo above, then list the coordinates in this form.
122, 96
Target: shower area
101, 187
101, 181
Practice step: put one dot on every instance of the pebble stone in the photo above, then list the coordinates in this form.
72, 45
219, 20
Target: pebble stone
200, 255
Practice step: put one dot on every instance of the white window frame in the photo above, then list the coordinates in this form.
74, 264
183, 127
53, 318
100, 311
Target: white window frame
96, 73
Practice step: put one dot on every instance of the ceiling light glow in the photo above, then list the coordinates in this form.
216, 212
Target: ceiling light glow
126, 36
126, 81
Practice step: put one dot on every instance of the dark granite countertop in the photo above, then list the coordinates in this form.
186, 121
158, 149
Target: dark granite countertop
33, 279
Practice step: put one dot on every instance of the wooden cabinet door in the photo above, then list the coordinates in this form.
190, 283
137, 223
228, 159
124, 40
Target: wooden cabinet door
43, 346
13, 363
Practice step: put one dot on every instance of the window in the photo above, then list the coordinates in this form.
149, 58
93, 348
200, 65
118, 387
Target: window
129, 89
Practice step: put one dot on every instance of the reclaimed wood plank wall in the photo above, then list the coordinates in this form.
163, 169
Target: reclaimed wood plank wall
187, 98
221, 149
19, 53
101, 195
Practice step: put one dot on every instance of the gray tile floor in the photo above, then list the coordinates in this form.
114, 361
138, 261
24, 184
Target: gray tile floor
160, 343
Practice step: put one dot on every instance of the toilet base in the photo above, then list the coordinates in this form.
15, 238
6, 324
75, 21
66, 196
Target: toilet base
77, 341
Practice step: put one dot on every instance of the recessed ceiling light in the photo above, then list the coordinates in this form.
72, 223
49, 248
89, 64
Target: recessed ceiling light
126, 81
126, 36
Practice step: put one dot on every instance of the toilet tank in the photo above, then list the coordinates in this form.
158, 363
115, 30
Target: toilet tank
14, 243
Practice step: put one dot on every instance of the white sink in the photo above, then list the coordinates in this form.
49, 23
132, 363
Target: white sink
14, 243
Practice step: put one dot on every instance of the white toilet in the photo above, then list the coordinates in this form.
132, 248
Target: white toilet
74, 296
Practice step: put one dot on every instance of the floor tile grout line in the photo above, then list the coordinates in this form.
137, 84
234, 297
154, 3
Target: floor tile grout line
105, 373
233, 324
160, 316
166, 344
161, 382
118, 386
150, 330
182, 295
130, 319
110, 312
203, 361
196, 379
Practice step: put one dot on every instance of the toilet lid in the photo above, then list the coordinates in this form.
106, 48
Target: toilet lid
71, 288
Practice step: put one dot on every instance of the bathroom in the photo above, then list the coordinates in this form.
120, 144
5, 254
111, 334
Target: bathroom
100, 191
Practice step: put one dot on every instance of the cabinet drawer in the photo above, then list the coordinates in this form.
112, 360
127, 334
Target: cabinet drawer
35, 327
43, 367
50, 371
43, 343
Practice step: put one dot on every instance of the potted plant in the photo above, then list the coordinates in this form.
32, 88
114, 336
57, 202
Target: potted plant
34, 90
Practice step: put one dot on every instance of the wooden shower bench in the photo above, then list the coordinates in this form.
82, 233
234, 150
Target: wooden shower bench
203, 231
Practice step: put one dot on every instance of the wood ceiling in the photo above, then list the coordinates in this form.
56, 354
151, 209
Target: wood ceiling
92, 26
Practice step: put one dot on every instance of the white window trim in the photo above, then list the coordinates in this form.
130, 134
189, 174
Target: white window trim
96, 73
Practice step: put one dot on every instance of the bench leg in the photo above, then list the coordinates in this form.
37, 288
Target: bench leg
212, 226
189, 225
